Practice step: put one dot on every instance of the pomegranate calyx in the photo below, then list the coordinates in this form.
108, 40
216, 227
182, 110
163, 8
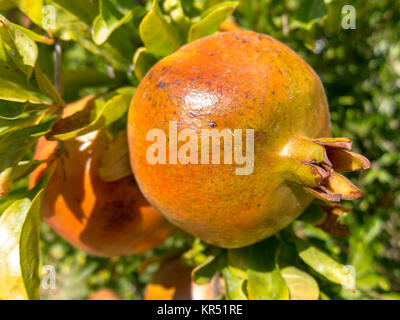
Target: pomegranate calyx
319, 174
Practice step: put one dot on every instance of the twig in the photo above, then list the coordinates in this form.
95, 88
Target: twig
285, 20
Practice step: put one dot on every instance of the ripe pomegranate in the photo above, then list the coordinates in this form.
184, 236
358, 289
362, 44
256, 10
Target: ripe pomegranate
103, 294
173, 281
99, 217
238, 80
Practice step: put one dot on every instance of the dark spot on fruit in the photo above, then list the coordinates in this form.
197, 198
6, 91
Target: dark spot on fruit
161, 84
117, 214
213, 124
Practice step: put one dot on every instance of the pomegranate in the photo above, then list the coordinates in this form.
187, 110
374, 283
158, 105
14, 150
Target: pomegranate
99, 217
173, 281
236, 80
103, 294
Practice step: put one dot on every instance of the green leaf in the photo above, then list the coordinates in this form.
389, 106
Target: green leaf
322, 263
211, 20
203, 273
73, 20
373, 281
47, 87
110, 18
19, 47
14, 86
13, 110
265, 281
32, 8
159, 35
84, 10
142, 61
15, 144
9, 125
308, 13
301, 285
76, 79
191, 8
235, 280
33, 35
19, 250
103, 114
6, 5
106, 51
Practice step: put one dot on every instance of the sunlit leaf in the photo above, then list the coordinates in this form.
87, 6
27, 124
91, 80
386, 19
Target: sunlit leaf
112, 14
19, 47
235, 280
32, 8
322, 263
301, 285
33, 35
159, 36
211, 20
19, 250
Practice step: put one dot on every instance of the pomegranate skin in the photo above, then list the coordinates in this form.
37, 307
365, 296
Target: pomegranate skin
101, 218
235, 80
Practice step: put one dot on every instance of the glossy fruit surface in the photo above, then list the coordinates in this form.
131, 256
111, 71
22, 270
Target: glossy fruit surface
101, 218
173, 281
239, 80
